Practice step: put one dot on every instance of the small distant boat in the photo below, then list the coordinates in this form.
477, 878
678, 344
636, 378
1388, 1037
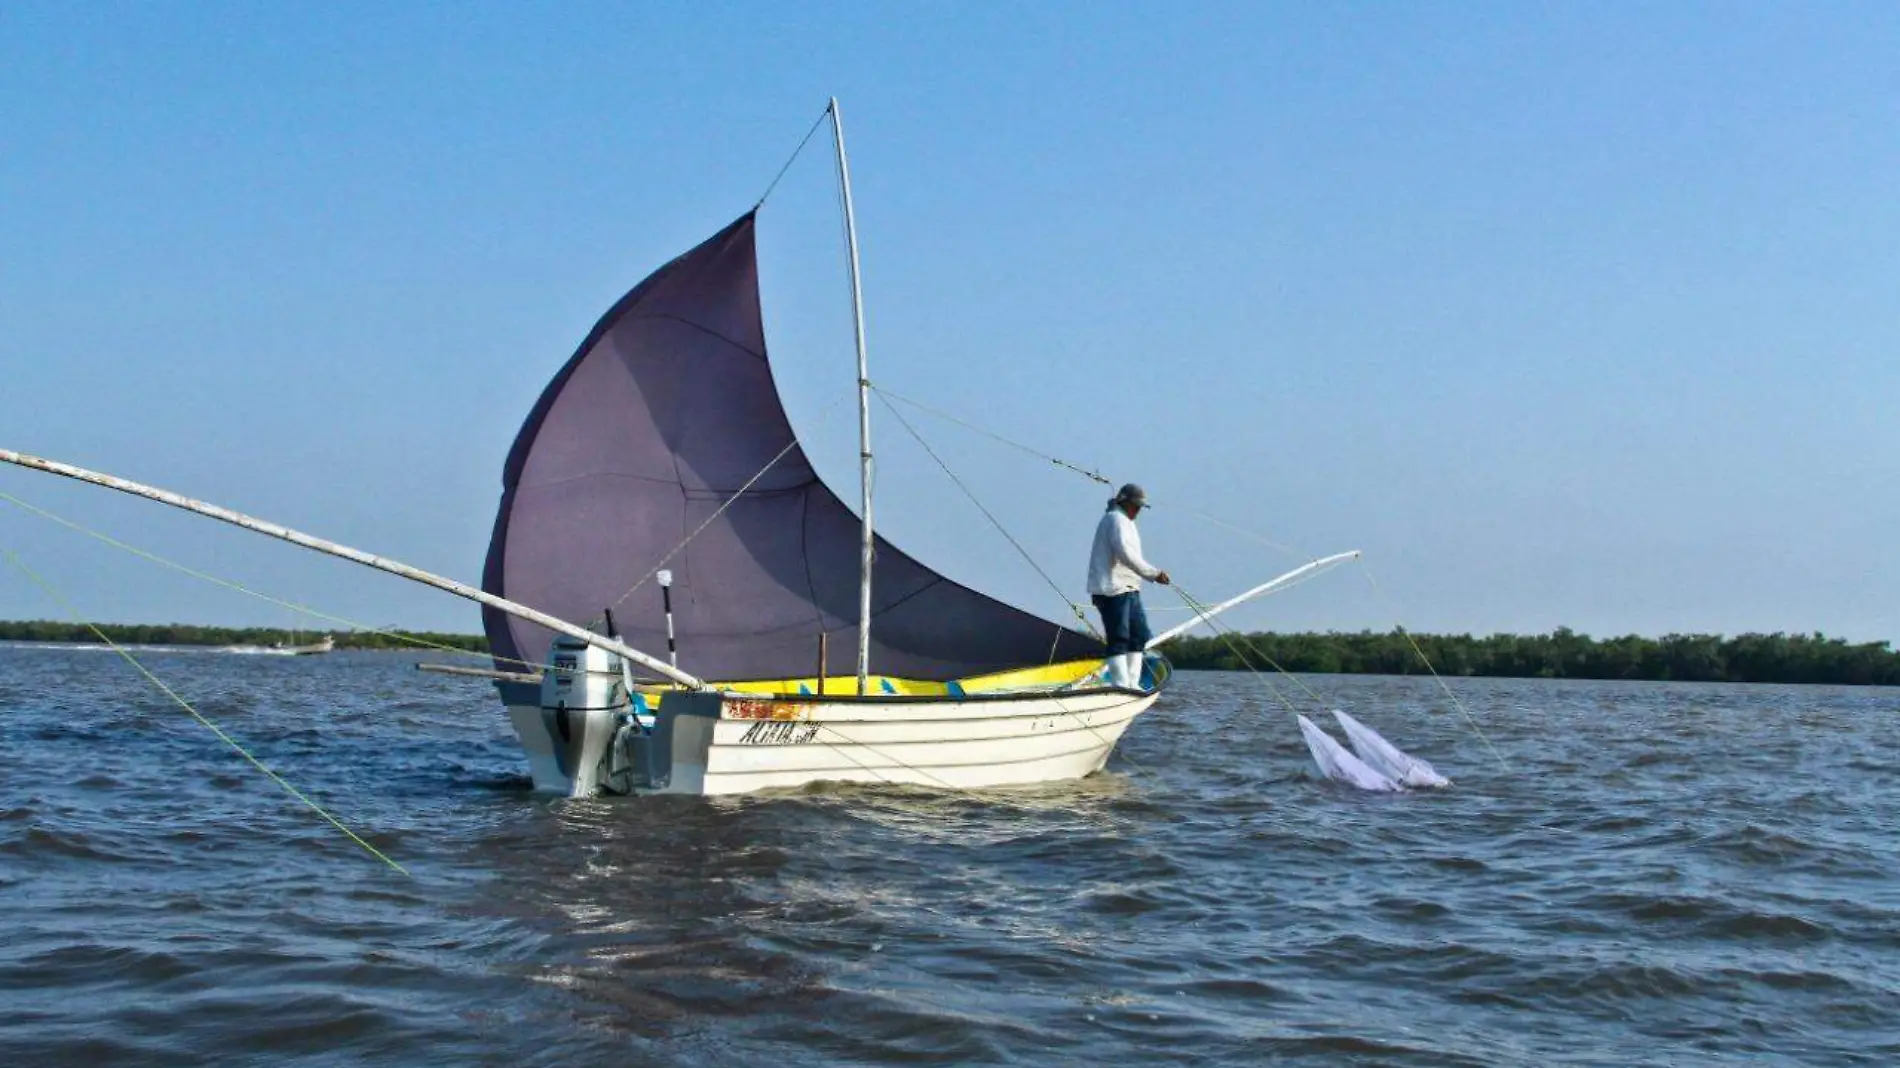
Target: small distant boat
325, 645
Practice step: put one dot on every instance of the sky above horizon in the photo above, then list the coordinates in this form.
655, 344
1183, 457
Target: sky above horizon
1566, 315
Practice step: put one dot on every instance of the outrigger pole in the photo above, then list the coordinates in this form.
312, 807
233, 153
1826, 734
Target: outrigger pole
380, 563
1207, 612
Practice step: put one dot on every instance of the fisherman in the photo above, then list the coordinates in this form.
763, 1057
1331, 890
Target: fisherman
1116, 569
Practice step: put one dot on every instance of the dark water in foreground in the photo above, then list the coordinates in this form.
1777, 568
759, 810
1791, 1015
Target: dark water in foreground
1668, 874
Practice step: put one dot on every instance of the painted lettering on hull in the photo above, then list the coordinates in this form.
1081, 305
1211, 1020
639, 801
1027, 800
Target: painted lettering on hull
779, 732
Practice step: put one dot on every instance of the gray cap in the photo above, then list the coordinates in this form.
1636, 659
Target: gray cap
1131, 494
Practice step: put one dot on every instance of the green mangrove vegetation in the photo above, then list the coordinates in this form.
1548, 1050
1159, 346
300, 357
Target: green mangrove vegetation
190, 634
1561, 654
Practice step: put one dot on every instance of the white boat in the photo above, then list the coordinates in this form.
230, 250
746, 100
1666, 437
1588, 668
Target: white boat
661, 446
728, 741
290, 648
660, 454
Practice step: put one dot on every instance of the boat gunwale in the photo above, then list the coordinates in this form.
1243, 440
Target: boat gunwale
919, 698
836, 725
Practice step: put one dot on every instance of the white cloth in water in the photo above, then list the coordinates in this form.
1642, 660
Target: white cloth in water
1385, 758
1336, 763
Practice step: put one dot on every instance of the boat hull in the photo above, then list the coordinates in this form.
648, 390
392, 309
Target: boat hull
710, 743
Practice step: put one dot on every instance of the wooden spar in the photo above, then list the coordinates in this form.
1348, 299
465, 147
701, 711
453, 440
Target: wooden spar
1264, 588
868, 548
481, 673
380, 563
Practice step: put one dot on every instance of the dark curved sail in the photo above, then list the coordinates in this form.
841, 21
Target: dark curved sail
665, 412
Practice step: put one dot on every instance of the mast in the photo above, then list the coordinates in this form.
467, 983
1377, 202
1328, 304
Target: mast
867, 550
380, 563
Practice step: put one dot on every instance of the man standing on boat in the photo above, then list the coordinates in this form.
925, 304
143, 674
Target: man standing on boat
1116, 569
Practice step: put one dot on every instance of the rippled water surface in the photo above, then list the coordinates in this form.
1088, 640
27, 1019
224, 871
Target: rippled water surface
1624, 874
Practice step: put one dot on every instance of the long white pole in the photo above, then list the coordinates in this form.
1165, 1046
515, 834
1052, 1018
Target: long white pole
331, 548
1264, 588
867, 550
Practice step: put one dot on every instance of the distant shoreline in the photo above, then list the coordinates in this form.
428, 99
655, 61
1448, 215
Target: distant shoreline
1561, 654
185, 634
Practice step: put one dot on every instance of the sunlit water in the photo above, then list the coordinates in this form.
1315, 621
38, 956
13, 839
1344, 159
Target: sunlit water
1624, 874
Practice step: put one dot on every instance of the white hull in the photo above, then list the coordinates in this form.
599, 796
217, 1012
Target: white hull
731, 743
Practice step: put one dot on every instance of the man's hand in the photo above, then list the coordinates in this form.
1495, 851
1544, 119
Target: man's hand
1163, 578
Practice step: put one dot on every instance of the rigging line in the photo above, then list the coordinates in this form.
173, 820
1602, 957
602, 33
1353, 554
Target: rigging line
1108, 745
1091, 475
1442, 684
938, 780
1243, 531
1073, 607
186, 705
1238, 655
874, 752
717, 512
1201, 609
1201, 612
793, 157
228, 584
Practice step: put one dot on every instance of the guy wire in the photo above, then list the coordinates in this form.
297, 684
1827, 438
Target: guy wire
1085, 472
207, 724
247, 591
791, 158
1459, 705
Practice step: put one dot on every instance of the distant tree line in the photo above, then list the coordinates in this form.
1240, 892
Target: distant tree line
1561, 654
188, 634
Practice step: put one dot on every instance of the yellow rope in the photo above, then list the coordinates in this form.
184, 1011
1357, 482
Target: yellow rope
186, 705
1423, 659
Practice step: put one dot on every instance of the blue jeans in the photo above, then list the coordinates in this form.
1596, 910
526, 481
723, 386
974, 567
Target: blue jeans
1124, 622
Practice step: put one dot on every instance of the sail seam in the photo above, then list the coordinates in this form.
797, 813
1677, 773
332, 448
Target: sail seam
701, 327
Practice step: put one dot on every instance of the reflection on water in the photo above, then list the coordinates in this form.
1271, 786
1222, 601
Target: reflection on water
1638, 874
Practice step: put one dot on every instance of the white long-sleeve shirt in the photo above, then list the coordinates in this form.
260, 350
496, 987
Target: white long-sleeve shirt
1115, 563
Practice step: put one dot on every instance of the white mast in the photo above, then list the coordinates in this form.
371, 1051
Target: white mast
866, 551
380, 563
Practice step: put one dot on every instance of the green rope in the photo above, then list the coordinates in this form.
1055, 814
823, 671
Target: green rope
1423, 659
208, 725
423, 643
1227, 636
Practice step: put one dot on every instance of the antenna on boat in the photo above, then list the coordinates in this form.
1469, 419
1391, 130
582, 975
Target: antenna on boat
666, 603
867, 550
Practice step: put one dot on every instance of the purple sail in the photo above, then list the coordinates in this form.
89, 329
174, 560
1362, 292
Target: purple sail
666, 411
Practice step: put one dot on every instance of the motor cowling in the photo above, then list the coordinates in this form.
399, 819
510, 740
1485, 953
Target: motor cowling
583, 706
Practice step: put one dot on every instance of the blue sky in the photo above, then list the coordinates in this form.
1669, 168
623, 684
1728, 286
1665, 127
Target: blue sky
1565, 314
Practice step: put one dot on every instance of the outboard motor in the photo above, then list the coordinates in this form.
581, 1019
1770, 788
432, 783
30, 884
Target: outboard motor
584, 704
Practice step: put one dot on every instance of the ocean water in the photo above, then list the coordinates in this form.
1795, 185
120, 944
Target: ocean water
1624, 874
